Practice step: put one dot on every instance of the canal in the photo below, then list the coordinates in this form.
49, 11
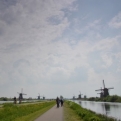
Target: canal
1, 102
105, 108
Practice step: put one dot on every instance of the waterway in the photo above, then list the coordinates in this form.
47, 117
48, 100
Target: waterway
106, 108
1, 102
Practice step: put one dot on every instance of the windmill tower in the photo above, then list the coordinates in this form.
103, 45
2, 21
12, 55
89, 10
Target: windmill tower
101, 93
38, 96
21, 95
43, 97
73, 97
85, 96
79, 96
104, 91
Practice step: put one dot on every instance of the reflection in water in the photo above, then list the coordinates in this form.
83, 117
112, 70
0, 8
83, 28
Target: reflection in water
105, 108
79, 102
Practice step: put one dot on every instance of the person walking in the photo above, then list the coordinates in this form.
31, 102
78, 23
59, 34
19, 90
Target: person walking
14, 100
57, 102
61, 102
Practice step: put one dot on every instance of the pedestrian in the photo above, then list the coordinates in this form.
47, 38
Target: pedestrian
57, 102
14, 100
61, 102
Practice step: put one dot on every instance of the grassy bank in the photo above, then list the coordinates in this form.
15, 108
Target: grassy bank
70, 114
29, 112
77, 113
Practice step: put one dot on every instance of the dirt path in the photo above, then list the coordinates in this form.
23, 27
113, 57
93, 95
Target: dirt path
54, 114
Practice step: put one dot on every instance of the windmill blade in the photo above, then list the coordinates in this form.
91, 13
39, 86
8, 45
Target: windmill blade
99, 90
24, 94
103, 84
111, 88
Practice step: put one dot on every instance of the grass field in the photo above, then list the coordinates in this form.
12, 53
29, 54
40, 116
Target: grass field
26, 112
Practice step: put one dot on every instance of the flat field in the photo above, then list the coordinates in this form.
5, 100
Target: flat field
24, 112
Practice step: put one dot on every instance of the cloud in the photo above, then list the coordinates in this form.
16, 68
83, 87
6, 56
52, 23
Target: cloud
41, 49
116, 21
106, 43
107, 60
22, 20
26, 32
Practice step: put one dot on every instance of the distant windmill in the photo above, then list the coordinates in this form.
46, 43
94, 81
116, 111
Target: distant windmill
80, 95
85, 96
104, 91
43, 97
73, 97
21, 95
101, 93
38, 96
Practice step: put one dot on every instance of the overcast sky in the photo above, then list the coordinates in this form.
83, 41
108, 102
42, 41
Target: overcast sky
59, 47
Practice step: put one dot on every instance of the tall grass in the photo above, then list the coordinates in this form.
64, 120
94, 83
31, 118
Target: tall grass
11, 112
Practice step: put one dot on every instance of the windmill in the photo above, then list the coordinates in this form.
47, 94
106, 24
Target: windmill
21, 95
101, 93
85, 96
43, 97
105, 91
73, 97
38, 96
80, 95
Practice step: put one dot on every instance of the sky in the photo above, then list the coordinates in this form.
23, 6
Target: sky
59, 47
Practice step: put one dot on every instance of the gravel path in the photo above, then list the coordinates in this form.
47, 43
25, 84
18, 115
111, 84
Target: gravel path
54, 114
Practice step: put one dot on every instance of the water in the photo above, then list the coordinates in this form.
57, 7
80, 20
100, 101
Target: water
1, 102
105, 108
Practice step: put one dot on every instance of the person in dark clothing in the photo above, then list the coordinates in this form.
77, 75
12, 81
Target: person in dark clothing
61, 102
14, 100
57, 102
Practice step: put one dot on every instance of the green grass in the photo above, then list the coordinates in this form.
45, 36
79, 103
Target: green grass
70, 114
84, 114
29, 112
